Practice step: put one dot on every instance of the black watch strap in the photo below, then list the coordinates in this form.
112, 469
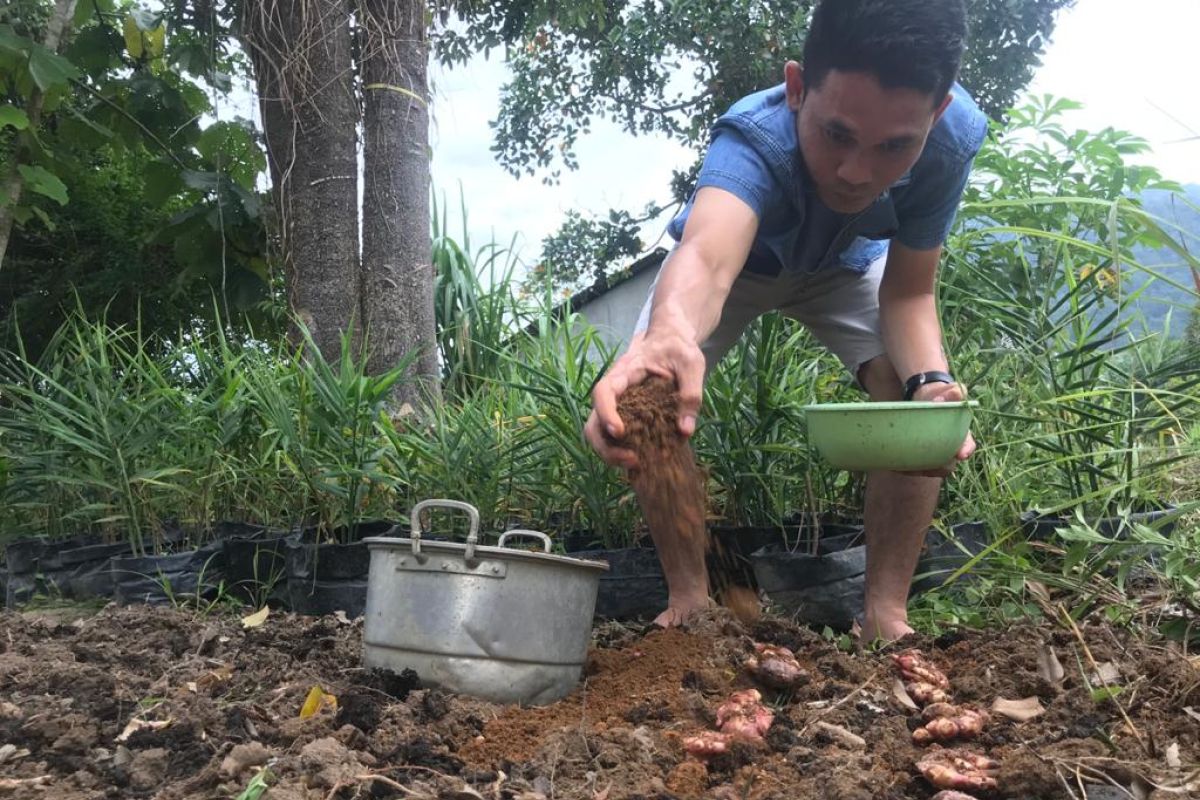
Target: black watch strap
921, 378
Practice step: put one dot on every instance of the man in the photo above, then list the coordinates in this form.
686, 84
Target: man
827, 198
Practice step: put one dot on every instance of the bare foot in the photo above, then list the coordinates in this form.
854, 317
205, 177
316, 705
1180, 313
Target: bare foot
882, 630
679, 611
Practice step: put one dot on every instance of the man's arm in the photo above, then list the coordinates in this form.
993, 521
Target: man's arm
912, 332
908, 314
691, 291
699, 273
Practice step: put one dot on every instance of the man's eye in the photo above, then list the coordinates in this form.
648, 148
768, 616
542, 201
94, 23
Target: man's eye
838, 137
895, 147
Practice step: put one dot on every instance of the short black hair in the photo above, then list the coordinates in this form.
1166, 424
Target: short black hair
910, 44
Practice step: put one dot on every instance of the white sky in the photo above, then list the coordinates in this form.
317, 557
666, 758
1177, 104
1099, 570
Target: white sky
1131, 64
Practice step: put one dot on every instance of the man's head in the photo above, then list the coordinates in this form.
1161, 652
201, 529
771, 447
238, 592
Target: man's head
875, 79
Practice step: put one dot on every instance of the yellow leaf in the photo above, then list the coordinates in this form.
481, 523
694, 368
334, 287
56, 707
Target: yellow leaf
133, 36
316, 700
156, 40
257, 618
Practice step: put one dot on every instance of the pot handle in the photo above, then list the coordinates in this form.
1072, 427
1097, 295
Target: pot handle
522, 532
458, 505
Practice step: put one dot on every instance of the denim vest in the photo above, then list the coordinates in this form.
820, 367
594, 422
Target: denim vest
754, 153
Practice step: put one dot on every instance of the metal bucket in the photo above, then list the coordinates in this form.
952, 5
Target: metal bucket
505, 625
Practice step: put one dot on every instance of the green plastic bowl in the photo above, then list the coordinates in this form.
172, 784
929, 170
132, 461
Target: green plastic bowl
903, 436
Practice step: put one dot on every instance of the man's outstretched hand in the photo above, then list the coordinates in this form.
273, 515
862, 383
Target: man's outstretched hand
946, 393
668, 350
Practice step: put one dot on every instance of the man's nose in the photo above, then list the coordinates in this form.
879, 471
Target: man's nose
854, 170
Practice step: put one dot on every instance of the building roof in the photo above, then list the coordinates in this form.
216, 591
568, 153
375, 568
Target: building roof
652, 260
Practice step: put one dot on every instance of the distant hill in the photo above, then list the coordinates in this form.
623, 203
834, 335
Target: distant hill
1161, 298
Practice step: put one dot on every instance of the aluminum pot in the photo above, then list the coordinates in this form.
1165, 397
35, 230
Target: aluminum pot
506, 625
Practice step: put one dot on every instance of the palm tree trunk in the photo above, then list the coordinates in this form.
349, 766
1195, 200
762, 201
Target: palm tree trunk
303, 68
397, 270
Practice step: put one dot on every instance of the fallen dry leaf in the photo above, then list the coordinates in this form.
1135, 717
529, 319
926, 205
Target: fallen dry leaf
1191, 712
1018, 710
1105, 674
1041, 594
901, 694
136, 725
214, 677
257, 618
317, 700
1048, 665
1172, 756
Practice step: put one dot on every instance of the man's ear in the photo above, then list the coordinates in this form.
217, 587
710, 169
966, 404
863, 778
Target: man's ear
941, 109
793, 78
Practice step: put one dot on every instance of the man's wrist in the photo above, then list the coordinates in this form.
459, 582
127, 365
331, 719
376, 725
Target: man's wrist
669, 318
921, 379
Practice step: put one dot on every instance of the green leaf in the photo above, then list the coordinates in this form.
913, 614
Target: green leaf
258, 785
49, 69
40, 180
133, 37
95, 49
1102, 693
13, 44
44, 217
232, 148
14, 117
156, 40
163, 182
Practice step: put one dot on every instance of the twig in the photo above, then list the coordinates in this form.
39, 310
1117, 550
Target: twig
1096, 668
822, 712
145, 131
337, 787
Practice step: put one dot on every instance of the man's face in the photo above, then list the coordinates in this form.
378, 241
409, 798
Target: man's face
858, 138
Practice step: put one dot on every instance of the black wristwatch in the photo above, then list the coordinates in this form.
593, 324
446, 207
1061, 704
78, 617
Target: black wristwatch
921, 378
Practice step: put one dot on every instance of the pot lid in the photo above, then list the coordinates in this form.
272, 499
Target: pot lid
479, 551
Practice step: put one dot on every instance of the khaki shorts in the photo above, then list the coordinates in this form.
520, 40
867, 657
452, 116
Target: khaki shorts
839, 307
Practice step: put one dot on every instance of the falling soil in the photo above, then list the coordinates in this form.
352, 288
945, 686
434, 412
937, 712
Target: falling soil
670, 491
158, 703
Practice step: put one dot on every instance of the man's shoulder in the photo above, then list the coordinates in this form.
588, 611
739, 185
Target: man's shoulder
960, 132
766, 123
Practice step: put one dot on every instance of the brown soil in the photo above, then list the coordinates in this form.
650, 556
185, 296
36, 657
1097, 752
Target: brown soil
670, 490
215, 702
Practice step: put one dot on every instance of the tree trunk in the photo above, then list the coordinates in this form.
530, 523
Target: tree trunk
302, 65
10, 183
397, 269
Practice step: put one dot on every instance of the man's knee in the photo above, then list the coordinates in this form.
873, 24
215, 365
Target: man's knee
879, 378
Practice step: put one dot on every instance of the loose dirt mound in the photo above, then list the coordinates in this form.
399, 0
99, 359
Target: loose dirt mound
156, 703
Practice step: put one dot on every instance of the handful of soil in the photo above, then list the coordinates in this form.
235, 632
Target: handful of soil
667, 482
670, 487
